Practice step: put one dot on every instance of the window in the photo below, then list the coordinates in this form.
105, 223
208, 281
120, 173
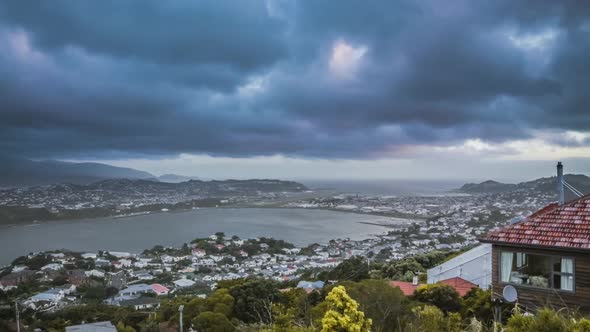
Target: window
542, 271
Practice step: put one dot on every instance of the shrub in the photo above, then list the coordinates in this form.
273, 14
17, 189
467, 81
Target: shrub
440, 295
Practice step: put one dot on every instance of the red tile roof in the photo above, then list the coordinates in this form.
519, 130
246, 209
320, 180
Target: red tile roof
159, 289
406, 287
566, 226
461, 285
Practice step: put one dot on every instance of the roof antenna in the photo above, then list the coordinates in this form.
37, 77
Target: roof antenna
560, 194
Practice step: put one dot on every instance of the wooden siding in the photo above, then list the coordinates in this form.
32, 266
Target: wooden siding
534, 298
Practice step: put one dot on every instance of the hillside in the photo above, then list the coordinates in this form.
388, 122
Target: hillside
544, 186
488, 186
23, 172
175, 178
124, 196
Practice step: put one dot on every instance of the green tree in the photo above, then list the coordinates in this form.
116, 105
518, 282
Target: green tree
477, 303
343, 314
441, 295
379, 301
124, 328
254, 300
220, 302
95, 293
212, 322
353, 269
430, 319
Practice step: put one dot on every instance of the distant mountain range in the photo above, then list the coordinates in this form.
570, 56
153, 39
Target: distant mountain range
174, 178
23, 172
542, 185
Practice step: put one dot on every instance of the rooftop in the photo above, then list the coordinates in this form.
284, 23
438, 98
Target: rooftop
566, 226
461, 285
406, 287
92, 327
139, 301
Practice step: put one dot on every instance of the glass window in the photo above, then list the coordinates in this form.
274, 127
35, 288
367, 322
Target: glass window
541, 271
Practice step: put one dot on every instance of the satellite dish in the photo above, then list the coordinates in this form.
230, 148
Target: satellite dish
510, 294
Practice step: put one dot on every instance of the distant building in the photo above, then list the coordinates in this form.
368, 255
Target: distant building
182, 283
460, 285
116, 280
14, 279
159, 289
140, 303
408, 288
77, 277
310, 286
136, 289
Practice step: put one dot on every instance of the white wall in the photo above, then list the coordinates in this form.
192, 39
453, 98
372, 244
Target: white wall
474, 265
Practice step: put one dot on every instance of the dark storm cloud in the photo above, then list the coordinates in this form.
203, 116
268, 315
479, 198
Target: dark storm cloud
153, 78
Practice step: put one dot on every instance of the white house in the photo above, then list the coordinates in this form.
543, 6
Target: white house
95, 273
182, 283
51, 295
474, 265
199, 252
52, 266
136, 290
89, 255
119, 254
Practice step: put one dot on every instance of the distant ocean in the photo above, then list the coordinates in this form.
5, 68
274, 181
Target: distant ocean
387, 187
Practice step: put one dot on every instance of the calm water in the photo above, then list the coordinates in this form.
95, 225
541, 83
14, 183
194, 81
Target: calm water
134, 234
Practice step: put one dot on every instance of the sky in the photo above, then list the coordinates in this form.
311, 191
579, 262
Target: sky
421, 89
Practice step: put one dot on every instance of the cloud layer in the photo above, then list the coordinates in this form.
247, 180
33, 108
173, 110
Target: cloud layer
306, 79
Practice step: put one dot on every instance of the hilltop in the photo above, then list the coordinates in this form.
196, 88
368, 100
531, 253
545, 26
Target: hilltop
488, 186
542, 186
23, 172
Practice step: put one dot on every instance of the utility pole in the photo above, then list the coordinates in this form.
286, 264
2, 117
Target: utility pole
180, 309
17, 316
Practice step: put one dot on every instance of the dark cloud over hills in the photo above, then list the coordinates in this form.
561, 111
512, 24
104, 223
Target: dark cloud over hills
343, 79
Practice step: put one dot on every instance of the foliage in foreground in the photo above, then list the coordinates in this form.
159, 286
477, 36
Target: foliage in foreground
343, 313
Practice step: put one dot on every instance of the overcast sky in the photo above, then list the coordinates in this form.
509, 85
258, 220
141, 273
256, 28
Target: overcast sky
300, 89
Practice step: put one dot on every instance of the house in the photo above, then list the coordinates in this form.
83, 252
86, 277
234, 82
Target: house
139, 303
116, 280
159, 289
199, 252
92, 327
89, 256
407, 288
14, 279
52, 266
136, 290
119, 254
310, 286
460, 285
182, 283
77, 277
95, 273
474, 266
545, 257
66, 289
51, 295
